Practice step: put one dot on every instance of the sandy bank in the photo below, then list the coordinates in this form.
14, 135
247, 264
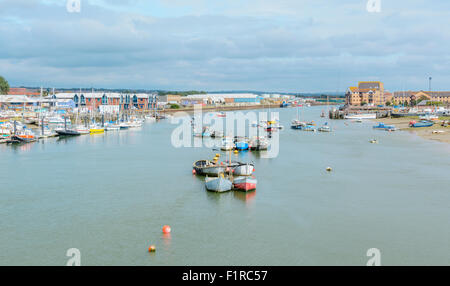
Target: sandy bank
424, 132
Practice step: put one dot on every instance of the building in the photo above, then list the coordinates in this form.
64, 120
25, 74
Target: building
92, 100
16, 102
22, 91
367, 92
224, 98
414, 97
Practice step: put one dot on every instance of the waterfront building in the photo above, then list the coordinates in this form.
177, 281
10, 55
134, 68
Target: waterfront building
23, 91
367, 92
414, 97
225, 98
94, 100
18, 102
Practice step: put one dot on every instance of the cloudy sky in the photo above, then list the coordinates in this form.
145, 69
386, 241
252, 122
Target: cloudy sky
267, 45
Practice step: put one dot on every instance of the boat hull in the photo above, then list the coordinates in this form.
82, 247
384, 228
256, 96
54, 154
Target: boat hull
243, 170
245, 184
67, 133
218, 185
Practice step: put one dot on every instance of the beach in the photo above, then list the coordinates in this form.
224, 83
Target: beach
430, 133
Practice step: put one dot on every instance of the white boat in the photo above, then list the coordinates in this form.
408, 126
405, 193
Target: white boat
361, 116
227, 144
219, 184
112, 127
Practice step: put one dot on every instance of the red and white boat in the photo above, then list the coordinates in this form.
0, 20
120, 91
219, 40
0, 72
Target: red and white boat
221, 114
245, 183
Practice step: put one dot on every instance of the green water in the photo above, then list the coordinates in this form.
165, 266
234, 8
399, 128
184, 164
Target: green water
109, 195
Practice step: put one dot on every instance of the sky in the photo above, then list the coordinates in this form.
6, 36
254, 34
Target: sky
216, 45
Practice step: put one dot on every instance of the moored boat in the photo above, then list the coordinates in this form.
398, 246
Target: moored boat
361, 116
423, 123
325, 128
206, 167
219, 184
382, 126
245, 183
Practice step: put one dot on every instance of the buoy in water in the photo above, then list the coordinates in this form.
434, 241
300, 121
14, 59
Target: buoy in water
329, 169
152, 248
236, 151
193, 172
217, 155
166, 229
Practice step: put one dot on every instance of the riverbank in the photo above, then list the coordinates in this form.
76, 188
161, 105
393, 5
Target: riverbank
220, 108
402, 123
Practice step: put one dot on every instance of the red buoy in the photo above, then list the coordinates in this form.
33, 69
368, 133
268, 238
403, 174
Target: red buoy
193, 172
152, 248
166, 229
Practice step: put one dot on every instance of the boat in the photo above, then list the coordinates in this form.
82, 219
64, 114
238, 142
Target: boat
217, 134
284, 104
245, 183
309, 128
242, 169
206, 167
219, 184
258, 144
325, 128
422, 123
221, 114
67, 132
429, 117
16, 139
382, 126
82, 130
361, 116
241, 146
374, 141
95, 129
227, 144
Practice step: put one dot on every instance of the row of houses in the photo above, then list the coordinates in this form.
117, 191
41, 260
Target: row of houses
372, 93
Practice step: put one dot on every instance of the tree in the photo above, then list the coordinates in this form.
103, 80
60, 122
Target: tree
4, 86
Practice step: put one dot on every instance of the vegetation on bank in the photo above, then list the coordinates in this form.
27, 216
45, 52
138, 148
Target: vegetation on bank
181, 93
4, 86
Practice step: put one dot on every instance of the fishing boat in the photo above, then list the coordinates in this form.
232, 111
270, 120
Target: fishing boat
259, 144
241, 146
382, 126
325, 128
242, 169
423, 123
227, 144
245, 183
219, 184
206, 167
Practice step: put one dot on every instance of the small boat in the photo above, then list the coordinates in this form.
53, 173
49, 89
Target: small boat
67, 132
206, 167
309, 128
241, 146
221, 114
325, 128
220, 184
374, 141
259, 144
217, 134
423, 123
227, 144
284, 104
297, 124
15, 139
245, 183
96, 130
382, 126
82, 130
242, 169
429, 117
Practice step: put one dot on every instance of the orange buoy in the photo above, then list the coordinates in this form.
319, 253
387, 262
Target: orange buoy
166, 229
152, 248
194, 172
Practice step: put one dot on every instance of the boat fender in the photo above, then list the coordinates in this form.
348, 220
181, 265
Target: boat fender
194, 172
166, 229
152, 248
329, 169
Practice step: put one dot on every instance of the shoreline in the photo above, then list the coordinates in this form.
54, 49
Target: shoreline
402, 124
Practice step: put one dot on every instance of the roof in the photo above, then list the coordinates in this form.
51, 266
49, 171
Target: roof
17, 99
429, 93
353, 89
100, 95
369, 85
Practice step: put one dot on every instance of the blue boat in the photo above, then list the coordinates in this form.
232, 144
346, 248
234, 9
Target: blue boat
241, 146
423, 123
381, 125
